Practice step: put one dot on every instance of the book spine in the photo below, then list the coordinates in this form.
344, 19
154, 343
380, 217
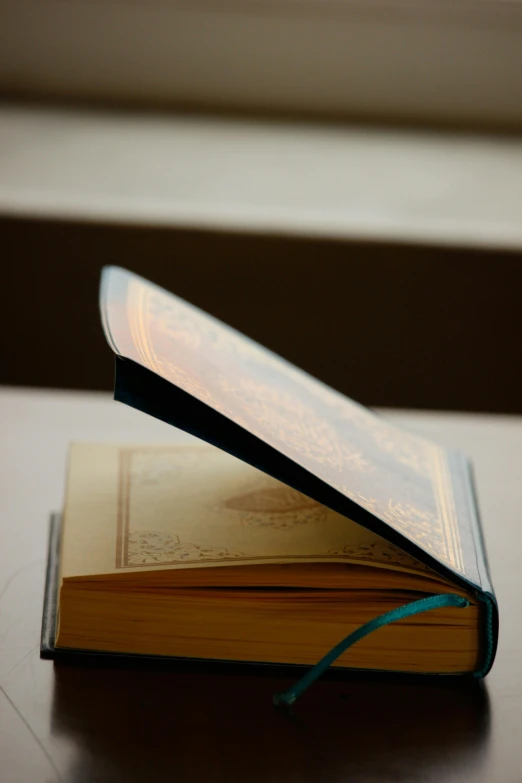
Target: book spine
490, 624
47, 638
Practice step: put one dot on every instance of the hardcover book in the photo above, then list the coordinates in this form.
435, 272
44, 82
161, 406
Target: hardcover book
298, 519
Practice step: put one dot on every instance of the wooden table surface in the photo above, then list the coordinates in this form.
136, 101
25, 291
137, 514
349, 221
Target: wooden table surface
68, 723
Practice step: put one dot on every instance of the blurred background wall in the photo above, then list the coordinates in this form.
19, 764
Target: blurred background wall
373, 235
386, 324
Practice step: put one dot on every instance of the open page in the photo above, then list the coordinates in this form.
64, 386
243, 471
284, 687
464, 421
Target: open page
130, 508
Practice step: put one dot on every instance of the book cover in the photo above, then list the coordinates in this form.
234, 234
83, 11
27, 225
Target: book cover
186, 368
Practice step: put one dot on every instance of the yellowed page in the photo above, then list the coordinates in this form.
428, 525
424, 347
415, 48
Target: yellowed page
148, 507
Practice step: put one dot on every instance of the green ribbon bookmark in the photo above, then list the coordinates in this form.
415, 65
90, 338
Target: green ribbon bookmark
286, 698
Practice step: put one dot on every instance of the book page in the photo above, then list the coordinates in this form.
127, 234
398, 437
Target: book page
146, 507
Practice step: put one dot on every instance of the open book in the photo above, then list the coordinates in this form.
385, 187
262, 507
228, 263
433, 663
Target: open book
301, 518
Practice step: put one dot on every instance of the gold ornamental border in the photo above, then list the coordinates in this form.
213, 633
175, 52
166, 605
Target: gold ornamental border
443, 491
